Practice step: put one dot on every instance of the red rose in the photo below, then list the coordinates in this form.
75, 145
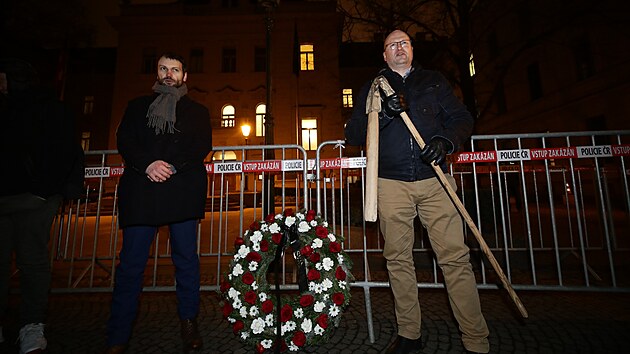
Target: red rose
314, 258
238, 325
270, 218
227, 309
254, 226
248, 278
313, 274
276, 238
260, 349
264, 245
322, 320
267, 306
306, 251
338, 298
238, 242
299, 338
340, 274
286, 313
253, 256
250, 297
321, 231
309, 217
288, 212
306, 300
225, 286
335, 247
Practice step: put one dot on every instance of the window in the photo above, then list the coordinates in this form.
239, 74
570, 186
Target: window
260, 59
195, 64
227, 116
228, 63
535, 82
149, 60
307, 57
347, 97
85, 141
309, 133
261, 110
88, 105
583, 55
471, 65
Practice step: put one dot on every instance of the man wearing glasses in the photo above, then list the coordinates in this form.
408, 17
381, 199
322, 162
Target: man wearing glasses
408, 187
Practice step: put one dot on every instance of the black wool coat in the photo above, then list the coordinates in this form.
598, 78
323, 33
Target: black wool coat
181, 197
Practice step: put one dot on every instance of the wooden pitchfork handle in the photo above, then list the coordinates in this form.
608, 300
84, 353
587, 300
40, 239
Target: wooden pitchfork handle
382, 82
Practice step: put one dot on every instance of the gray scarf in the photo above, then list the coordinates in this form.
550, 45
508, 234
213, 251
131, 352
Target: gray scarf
161, 112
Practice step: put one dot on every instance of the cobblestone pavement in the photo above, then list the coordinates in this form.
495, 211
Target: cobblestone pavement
559, 322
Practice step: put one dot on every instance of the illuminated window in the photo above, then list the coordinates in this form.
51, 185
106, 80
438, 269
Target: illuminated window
307, 57
261, 110
227, 116
88, 105
347, 97
309, 133
471, 65
149, 60
195, 64
85, 141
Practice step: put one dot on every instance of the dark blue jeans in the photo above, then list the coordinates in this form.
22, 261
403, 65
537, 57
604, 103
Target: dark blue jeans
25, 222
137, 241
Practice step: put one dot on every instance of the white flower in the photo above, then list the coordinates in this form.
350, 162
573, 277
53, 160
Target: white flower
243, 312
313, 223
318, 289
238, 270
319, 306
262, 297
299, 216
327, 284
334, 310
258, 325
244, 335
317, 243
243, 251
311, 286
266, 343
325, 297
229, 276
325, 223
342, 284
274, 228
299, 313
290, 325
332, 237
254, 286
318, 330
237, 304
293, 348
233, 293
340, 258
231, 320
327, 263
303, 226
256, 246
264, 227
256, 237
279, 216
290, 220
269, 320
307, 325
253, 311
253, 265
318, 266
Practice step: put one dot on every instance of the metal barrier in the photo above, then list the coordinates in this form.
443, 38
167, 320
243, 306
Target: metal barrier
554, 208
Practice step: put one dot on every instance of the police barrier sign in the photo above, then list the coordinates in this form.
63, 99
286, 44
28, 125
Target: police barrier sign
96, 172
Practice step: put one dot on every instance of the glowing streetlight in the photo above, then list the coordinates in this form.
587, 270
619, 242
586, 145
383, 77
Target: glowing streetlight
245, 129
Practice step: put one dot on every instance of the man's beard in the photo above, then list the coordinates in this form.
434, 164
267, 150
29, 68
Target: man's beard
175, 82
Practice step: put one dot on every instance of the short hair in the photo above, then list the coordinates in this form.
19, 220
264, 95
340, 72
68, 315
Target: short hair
175, 56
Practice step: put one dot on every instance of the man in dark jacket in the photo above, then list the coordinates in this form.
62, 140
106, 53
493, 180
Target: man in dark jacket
163, 139
408, 187
38, 151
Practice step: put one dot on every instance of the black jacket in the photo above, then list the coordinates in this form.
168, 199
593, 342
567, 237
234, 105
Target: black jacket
434, 111
183, 196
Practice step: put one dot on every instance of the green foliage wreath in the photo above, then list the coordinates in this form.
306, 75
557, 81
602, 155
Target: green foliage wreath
307, 318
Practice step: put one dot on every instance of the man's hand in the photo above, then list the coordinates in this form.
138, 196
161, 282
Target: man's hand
394, 104
436, 150
159, 171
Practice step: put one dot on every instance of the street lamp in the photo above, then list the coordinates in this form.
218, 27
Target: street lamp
245, 129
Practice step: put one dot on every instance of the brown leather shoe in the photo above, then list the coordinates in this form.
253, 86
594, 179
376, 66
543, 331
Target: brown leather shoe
115, 349
190, 335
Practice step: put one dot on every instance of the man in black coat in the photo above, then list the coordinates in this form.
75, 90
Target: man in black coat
408, 188
163, 139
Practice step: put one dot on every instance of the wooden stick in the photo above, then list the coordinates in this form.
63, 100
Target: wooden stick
458, 204
373, 107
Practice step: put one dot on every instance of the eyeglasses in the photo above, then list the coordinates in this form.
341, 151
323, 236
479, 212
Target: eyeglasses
393, 45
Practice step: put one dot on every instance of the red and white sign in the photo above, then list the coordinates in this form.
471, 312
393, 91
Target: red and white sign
479, 156
262, 166
553, 153
96, 172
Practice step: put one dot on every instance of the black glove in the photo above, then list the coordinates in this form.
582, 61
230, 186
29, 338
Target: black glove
394, 104
436, 150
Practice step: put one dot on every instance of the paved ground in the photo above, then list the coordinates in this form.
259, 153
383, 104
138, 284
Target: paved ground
559, 322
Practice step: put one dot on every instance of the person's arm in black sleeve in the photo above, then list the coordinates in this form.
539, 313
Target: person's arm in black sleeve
136, 155
356, 127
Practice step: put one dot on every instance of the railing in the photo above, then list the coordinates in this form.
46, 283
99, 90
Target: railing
554, 209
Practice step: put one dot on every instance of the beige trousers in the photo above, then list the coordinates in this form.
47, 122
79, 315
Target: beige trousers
398, 204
